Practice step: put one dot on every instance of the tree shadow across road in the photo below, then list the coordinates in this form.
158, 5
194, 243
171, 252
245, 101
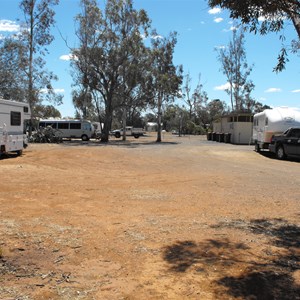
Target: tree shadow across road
116, 143
265, 276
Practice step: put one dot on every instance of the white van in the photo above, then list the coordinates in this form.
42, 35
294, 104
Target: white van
273, 121
81, 129
12, 128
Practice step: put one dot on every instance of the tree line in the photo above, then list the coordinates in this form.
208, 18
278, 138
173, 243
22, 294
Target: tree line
122, 66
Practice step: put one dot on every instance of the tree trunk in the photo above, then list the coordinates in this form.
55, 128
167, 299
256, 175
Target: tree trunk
107, 124
124, 124
296, 21
159, 113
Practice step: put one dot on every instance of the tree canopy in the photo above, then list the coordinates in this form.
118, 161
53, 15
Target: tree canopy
263, 16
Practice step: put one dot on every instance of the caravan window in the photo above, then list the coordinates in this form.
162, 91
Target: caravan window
15, 118
266, 122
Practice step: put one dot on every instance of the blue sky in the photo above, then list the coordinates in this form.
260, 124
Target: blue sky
200, 31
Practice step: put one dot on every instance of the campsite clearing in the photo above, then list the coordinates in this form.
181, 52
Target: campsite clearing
183, 219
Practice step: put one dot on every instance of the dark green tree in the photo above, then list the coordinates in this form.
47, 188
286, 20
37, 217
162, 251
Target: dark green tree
107, 64
12, 76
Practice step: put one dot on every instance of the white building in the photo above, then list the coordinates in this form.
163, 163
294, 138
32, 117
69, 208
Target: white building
238, 126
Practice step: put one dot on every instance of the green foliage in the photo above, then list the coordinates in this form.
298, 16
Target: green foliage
35, 37
114, 66
234, 65
111, 60
166, 78
12, 75
274, 13
46, 111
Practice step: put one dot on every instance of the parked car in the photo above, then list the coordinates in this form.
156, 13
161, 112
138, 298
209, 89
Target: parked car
130, 131
286, 144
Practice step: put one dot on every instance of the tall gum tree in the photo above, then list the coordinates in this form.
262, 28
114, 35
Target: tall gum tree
109, 45
166, 77
36, 36
234, 65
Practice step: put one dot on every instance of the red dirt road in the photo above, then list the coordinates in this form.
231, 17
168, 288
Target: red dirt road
184, 219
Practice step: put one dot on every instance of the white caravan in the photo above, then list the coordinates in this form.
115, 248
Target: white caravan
12, 129
70, 128
273, 121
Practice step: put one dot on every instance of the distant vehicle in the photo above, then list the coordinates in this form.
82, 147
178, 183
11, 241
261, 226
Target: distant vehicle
81, 129
286, 144
97, 130
130, 131
271, 122
13, 116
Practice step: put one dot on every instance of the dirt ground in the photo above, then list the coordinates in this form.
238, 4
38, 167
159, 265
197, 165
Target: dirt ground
184, 219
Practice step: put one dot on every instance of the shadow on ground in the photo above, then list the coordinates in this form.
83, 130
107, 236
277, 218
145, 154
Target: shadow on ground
270, 155
116, 142
266, 276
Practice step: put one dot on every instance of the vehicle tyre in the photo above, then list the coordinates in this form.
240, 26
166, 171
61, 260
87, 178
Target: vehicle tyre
84, 138
117, 135
19, 152
257, 148
280, 154
136, 136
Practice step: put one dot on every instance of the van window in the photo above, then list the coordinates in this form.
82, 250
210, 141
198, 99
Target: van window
62, 125
75, 125
15, 118
53, 125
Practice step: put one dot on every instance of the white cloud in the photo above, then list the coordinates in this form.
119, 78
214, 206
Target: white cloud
269, 17
221, 47
218, 20
214, 11
222, 87
9, 26
296, 91
273, 90
67, 57
230, 29
155, 37
58, 91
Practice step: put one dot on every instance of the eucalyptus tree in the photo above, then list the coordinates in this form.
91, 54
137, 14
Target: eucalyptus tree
107, 60
196, 100
234, 65
36, 36
166, 77
264, 17
12, 76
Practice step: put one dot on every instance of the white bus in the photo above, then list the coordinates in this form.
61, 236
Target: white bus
82, 129
12, 128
